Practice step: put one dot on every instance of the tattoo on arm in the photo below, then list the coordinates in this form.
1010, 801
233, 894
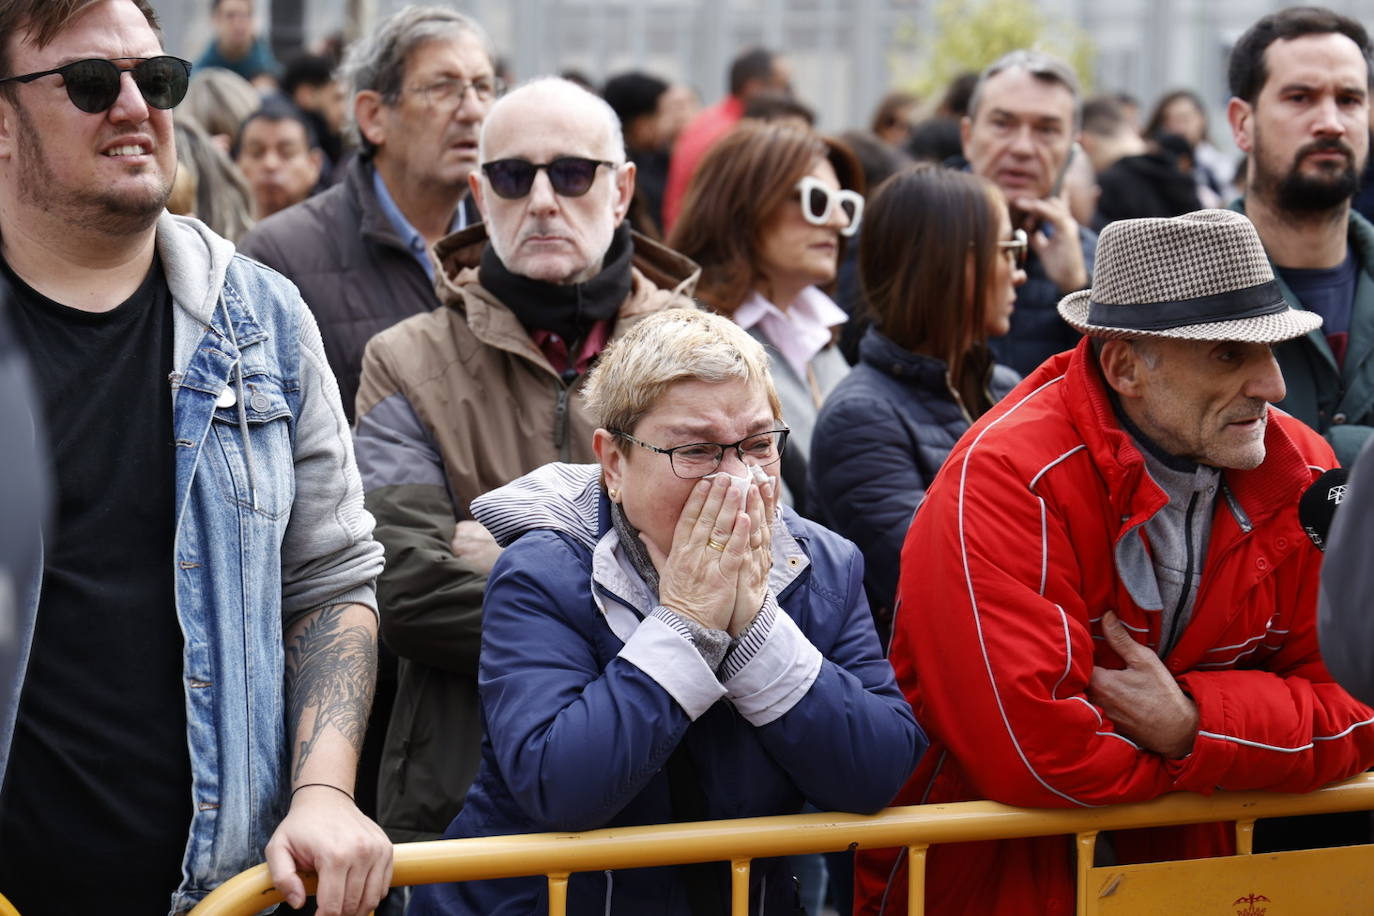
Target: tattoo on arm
331, 672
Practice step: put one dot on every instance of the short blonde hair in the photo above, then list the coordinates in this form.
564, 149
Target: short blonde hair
671, 346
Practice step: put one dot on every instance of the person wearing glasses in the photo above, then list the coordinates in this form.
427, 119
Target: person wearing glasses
197, 640
940, 264
420, 86
664, 642
486, 388
767, 217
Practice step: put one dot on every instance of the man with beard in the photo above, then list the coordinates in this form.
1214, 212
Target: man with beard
197, 634
421, 85
1300, 83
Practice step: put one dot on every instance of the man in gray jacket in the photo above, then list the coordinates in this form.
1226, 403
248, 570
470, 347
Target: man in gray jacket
197, 639
359, 253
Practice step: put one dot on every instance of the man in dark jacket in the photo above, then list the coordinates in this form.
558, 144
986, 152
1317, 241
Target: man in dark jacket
1019, 133
1306, 155
359, 252
464, 399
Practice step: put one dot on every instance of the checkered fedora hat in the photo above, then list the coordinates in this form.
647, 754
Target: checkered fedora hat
1202, 276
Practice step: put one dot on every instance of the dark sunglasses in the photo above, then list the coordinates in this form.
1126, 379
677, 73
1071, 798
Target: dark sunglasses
571, 176
93, 84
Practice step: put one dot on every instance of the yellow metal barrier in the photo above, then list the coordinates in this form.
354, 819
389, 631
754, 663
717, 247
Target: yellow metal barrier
1312, 878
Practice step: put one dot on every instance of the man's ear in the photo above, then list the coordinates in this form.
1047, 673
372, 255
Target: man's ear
612, 462
1240, 114
624, 190
475, 186
1122, 368
317, 162
9, 128
965, 131
369, 112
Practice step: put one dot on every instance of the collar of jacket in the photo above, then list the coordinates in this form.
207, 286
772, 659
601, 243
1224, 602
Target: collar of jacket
1361, 238
374, 224
887, 356
566, 309
1276, 485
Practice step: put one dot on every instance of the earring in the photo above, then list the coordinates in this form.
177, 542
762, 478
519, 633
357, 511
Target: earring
613, 493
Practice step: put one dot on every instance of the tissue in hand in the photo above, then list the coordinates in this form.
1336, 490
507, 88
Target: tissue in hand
741, 484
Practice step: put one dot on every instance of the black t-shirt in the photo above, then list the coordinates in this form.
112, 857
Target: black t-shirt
99, 772
1330, 292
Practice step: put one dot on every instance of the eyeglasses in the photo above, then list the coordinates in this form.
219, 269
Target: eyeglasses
571, 176
1018, 246
698, 459
449, 93
93, 84
818, 201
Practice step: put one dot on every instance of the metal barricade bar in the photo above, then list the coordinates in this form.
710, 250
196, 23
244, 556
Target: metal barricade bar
739, 841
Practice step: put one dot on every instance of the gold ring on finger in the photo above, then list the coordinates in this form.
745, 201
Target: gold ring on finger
715, 545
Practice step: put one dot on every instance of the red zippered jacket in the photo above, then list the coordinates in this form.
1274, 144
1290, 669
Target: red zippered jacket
1006, 572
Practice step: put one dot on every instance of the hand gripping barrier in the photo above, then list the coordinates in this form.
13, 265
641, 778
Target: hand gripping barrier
1325, 881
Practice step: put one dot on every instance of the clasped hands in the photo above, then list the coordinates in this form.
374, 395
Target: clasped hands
1143, 700
716, 572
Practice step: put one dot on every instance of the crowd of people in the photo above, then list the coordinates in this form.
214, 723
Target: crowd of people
401, 451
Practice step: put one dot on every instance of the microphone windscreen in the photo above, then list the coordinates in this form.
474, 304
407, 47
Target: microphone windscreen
1318, 505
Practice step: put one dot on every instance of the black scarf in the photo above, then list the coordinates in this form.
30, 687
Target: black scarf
565, 309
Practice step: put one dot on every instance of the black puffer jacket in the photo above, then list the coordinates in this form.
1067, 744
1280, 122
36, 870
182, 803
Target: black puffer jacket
886, 428
352, 269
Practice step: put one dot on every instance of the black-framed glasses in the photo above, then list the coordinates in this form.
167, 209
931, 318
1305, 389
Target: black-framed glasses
93, 84
697, 459
449, 92
571, 176
1018, 246
818, 202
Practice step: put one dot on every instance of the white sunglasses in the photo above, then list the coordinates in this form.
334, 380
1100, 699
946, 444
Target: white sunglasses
818, 201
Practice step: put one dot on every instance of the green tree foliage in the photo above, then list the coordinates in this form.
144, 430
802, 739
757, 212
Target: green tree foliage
970, 34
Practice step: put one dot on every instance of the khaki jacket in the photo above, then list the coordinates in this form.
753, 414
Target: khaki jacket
452, 404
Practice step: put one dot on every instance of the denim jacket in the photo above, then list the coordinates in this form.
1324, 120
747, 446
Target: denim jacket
270, 526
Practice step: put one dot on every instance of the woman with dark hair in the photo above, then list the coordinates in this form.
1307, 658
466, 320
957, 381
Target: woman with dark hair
1182, 114
766, 218
939, 264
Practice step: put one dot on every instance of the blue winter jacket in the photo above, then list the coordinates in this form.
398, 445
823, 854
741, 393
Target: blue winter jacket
586, 692
887, 428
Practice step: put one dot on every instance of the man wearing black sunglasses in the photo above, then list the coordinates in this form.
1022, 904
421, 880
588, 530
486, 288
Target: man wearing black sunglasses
472, 395
197, 631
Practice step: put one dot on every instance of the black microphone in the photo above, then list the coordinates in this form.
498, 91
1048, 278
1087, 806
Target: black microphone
1318, 505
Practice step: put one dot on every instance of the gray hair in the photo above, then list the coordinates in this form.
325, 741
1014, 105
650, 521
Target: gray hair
553, 85
1045, 67
378, 62
667, 347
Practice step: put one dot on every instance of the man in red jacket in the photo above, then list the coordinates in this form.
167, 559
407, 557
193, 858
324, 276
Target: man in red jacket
1107, 594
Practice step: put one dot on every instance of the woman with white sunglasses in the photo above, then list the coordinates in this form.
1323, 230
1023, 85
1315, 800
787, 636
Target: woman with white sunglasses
767, 216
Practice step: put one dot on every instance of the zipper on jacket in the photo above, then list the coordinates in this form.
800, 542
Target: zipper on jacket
560, 415
1187, 575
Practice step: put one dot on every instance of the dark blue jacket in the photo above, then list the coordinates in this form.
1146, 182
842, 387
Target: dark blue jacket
886, 428
580, 727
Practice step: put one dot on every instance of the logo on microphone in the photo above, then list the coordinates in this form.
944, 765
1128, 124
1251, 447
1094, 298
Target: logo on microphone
1336, 494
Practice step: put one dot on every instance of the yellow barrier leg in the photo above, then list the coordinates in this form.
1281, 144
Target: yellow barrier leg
1087, 846
739, 887
558, 894
1245, 837
916, 880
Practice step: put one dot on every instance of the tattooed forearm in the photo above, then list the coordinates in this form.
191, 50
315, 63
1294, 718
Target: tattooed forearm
331, 673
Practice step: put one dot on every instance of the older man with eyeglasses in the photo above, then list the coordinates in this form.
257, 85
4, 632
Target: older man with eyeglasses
360, 252
465, 399
196, 627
